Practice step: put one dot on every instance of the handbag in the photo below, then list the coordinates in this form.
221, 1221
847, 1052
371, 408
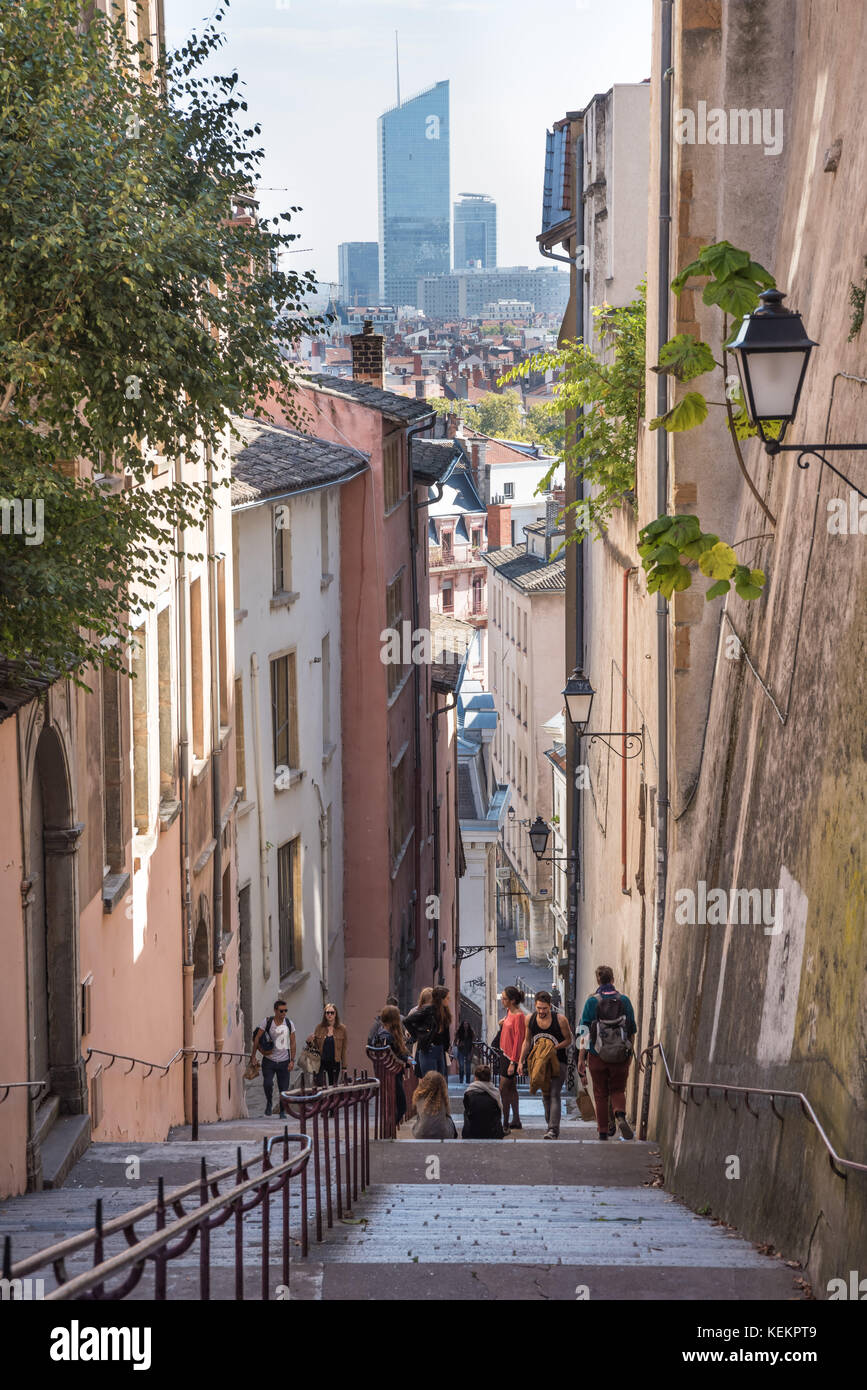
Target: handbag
309, 1060
253, 1070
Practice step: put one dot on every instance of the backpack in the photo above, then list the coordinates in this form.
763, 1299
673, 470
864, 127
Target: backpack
421, 1026
266, 1038
609, 1035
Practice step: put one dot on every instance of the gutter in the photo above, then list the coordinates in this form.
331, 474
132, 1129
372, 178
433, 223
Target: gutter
663, 271
299, 491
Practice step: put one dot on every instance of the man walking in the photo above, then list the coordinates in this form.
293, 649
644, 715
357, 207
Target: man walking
546, 1022
608, 1025
275, 1040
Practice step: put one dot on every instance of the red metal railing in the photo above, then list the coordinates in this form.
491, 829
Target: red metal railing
252, 1184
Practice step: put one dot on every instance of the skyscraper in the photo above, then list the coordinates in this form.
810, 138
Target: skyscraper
358, 269
475, 232
414, 200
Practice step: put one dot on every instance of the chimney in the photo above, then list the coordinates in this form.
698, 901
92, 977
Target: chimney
368, 356
478, 449
451, 424
416, 364
499, 525
478, 378
420, 389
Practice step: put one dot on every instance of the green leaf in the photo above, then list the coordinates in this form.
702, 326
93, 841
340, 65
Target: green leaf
685, 357
718, 562
686, 528
722, 260
695, 549
748, 591
679, 281
757, 577
735, 296
666, 555
688, 413
657, 527
718, 589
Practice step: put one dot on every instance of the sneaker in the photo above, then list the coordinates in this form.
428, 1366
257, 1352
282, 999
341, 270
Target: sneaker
603, 1136
516, 1124
624, 1127
612, 1130
549, 1134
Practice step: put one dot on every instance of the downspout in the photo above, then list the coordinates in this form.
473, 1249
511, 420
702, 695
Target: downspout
325, 901
264, 904
624, 683
663, 271
409, 435
184, 781
216, 795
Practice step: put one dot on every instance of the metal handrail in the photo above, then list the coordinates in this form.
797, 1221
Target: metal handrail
747, 1091
7, 1086
195, 1052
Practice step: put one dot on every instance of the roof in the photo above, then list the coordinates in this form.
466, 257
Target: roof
452, 640
433, 459
388, 403
18, 686
525, 571
459, 496
272, 461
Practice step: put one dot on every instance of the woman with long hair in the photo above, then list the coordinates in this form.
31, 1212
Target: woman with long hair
390, 1034
429, 1025
329, 1039
433, 1119
513, 1030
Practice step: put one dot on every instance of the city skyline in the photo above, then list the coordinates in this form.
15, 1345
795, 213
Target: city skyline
319, 129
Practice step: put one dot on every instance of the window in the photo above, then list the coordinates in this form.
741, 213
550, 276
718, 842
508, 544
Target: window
164, 690
323, 533
477, 538
525, 632
393, 619
448, 550
400, 821
326, 692
240, 752
284, 712
392, 471
141, 781
201, 950
197, 677
112, 775
282, 550
289, 906
478, 592
222, 645
508, 490
448, 593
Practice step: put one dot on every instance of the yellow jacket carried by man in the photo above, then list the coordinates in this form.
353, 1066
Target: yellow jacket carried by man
542, 1065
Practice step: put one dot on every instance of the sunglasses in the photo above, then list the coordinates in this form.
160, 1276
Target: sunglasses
329, 1011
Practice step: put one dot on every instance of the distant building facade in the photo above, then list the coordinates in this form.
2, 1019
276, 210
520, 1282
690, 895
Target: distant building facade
475, 232
414, 201
358, 271
463, 294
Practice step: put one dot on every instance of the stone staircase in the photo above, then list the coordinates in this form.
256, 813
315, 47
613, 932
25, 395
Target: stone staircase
520, 1218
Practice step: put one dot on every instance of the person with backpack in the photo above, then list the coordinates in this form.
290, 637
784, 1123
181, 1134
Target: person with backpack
430, 1027
390, 1034
275, 1039
608, 1027
545, 1023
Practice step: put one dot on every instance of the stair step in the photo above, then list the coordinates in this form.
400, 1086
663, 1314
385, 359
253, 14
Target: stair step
45, 1118
64, 1144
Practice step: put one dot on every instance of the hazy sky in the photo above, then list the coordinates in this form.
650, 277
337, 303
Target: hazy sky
318, 73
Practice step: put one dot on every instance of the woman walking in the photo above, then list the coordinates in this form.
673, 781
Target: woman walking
545, 1023
390, 1034
329, 1039
433, 1120
513, 1030
464, 1039
430, 1026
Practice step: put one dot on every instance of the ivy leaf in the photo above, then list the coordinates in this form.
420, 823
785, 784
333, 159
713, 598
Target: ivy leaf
685, 357
718, 562
688, 413
695, 549
717, 590
735, 296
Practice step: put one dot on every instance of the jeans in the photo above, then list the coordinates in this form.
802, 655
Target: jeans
465, 1066
609, 1083
399, 1098
551, 1102
269, 1071
509, 1093
432, 1059
330, 1072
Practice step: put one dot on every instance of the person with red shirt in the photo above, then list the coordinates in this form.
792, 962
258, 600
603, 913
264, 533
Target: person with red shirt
513, 1030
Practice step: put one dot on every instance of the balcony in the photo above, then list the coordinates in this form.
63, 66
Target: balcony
470, 558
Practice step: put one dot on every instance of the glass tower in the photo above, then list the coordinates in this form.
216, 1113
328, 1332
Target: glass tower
358, 263
414, 202
475, 232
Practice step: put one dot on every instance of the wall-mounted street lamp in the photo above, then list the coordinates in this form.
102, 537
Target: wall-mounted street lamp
539, 832
772, 351
578, 696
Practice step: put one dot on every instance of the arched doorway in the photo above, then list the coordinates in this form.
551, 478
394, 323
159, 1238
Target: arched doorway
54, 993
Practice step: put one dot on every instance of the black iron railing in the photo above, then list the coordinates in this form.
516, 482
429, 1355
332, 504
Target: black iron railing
391, 1072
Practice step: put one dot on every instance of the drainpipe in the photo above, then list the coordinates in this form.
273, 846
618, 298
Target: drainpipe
260, 816
184, 787
409, 435
216, 794
663, 271
624, 671
324, 897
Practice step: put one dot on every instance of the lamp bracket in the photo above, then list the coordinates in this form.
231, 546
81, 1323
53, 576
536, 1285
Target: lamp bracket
816, 451
630, 740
